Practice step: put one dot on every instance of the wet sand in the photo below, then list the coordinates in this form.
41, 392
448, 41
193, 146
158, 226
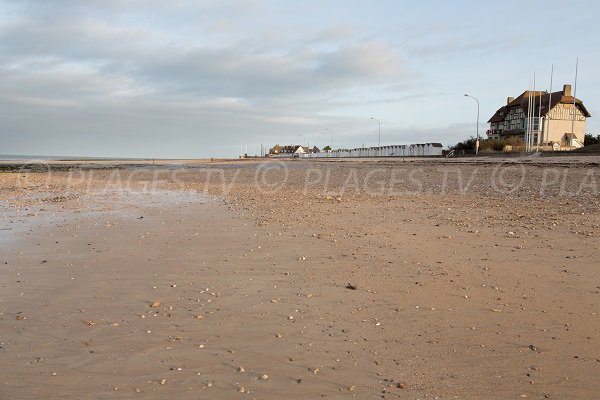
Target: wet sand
121, 286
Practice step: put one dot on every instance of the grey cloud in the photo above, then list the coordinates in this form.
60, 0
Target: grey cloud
75, 77
462, 46
147, 58
236, 72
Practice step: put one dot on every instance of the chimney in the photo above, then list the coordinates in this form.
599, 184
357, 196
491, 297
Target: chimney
509, 100
567, 90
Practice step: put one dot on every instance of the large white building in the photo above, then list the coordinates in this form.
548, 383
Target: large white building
555, 119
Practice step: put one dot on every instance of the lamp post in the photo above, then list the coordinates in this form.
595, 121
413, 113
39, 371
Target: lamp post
328, 130
477, 142
304, 138
379, 122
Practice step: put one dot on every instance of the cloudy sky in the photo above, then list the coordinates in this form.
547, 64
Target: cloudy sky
179, 79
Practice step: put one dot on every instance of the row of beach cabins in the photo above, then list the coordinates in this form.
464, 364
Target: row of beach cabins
410, 150
404, 150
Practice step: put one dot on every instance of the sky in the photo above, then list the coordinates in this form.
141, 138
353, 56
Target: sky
196, 79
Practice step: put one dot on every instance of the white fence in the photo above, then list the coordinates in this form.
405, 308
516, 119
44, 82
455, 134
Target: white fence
405, 150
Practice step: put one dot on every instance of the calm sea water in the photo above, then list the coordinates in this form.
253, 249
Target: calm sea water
13, 157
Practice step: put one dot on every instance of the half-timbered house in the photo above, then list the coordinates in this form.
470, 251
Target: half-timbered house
549, 118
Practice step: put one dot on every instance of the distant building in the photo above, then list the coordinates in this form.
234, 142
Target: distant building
556, 118
275, 150
291, 150
301, 150
288, 151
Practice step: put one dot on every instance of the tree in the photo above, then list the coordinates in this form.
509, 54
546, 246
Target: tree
468, 144
327, 148
486, 145
590, 139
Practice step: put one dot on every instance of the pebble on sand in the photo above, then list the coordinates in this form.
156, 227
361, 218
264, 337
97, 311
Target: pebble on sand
155, 304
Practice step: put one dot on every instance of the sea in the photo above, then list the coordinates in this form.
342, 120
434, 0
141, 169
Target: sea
26, 157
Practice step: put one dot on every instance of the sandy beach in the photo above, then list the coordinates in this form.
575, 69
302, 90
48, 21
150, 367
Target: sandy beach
387, 279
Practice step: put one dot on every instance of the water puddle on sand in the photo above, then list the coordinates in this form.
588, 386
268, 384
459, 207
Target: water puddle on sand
42, 210
126, 201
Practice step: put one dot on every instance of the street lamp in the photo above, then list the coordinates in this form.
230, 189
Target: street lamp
379, 122
331, 137
303, 138
477, 142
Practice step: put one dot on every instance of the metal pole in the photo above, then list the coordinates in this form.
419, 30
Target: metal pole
331, 132
574, 94
526, 133
539, 123
477, 144
477, 128
547, 133
532, 115
379, 124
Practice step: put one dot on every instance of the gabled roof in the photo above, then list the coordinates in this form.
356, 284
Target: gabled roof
499, 115
290, 149
275, 149
539, 106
